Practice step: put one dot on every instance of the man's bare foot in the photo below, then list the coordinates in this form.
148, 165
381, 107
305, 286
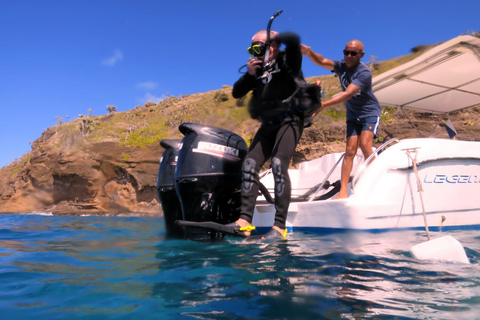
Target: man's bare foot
341, 196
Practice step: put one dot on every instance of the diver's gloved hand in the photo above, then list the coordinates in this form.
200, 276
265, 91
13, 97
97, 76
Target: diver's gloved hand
288, 38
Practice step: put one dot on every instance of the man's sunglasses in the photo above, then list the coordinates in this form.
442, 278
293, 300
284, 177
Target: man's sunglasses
352, 53
257, 49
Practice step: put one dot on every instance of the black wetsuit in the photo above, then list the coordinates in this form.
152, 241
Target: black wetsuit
280, 131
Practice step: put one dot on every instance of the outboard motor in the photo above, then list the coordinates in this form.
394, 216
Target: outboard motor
209, 177
166, 187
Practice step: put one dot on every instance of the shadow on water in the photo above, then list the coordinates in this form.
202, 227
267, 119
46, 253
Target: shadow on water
123, 268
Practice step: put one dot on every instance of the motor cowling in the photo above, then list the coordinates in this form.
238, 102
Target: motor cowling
208, 176
167, 193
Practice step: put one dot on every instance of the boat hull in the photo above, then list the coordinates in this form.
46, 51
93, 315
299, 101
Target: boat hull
385, 195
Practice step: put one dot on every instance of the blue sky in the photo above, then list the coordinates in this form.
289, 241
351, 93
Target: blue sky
60, 58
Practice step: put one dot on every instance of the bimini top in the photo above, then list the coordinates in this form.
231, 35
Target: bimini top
446, 78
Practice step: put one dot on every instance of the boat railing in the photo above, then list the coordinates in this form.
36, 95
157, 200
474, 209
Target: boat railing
322, 184
311, 195
308, 196
369, 159
264, 173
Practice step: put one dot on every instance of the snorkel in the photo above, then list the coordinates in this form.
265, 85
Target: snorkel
267, 64
269, 41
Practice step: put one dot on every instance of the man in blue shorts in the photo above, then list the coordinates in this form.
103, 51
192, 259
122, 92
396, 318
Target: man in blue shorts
363, 109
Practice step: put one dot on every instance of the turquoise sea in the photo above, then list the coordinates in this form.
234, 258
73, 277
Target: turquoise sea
64, 267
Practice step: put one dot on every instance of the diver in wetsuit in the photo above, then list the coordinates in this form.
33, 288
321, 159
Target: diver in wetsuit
273, 87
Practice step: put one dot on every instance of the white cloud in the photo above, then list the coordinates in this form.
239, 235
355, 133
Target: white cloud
150, 97
116, 56
148, 85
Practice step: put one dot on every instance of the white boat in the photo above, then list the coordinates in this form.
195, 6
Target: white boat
416, 183
385, 194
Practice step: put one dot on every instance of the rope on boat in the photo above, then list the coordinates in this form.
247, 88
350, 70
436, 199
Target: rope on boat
419, 186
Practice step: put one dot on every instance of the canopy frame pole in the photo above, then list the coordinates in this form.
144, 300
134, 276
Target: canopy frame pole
409, 119
436, 126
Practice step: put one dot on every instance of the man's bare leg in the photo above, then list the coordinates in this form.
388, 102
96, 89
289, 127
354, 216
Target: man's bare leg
366, 143
347, 164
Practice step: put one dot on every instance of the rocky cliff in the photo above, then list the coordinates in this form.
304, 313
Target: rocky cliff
93, 179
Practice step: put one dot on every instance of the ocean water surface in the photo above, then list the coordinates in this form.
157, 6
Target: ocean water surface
64, 267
